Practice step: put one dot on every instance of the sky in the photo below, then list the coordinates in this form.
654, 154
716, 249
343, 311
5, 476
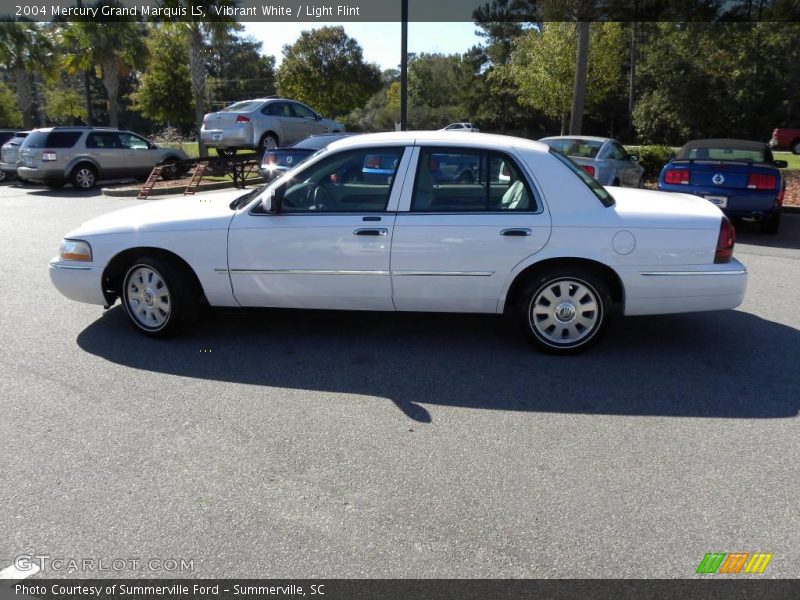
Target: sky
380, 41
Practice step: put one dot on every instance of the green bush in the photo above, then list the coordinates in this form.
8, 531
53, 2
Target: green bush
653, 158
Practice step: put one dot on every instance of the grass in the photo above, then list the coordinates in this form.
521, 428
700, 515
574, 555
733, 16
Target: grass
792, 159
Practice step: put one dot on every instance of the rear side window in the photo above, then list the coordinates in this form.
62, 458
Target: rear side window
246, 106
53, 139
597, 189
450, 180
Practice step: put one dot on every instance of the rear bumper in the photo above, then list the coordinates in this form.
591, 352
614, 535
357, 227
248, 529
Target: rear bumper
737, 204
694, 288
239, 137
40, 175
77, 282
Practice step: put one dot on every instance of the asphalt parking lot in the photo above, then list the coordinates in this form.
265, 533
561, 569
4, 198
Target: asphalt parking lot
320, 444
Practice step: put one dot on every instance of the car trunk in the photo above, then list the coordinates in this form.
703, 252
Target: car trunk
724, 175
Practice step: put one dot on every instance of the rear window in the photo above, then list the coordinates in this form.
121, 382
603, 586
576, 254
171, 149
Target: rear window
576, 147
16, 141
592, 183
723, 153
53, 139
246, 106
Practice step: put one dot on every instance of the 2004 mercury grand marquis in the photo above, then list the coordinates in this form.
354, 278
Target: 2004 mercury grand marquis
389, 222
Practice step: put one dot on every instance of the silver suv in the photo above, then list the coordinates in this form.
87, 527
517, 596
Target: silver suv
83, 155
263, 124
9, 155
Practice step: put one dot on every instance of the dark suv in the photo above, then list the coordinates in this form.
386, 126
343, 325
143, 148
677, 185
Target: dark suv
83, 155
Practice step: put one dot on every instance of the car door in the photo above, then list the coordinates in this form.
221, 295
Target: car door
308, 124
281, 119
455, 243
106, 148
139, 157
329, 246
627, 171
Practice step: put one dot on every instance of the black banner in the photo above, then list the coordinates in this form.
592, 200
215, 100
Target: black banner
323, 11
400, 589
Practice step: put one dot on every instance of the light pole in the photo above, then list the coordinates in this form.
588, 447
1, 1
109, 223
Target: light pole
404, 68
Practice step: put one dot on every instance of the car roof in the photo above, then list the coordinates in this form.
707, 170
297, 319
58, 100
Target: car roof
588, 138
444, 138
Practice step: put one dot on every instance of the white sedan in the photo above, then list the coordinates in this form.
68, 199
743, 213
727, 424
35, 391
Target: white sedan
379, 222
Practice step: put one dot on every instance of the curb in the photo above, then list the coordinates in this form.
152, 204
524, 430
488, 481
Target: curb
133, 192
791, 209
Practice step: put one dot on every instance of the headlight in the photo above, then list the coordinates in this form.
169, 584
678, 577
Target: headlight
75, 250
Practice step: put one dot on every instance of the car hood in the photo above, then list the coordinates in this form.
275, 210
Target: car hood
664, 208
187, 213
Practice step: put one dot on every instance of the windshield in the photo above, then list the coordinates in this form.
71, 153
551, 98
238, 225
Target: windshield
597, 189
245, 106
576, 147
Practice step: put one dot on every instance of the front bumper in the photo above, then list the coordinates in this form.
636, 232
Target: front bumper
77, 281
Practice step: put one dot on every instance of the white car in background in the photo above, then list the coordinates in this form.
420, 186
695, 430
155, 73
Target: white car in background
461, 127
532, 235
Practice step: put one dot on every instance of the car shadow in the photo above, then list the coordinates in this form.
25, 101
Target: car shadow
67, 192
726, 364
787, 237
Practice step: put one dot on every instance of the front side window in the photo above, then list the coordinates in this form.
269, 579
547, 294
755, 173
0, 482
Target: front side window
128, 140
617, 152
469, 181
351, 181
277, 109
103, 140
303, 112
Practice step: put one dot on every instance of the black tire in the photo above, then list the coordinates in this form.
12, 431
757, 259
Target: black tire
83, 177
771, 225
796, 147
615, 182
3, 176
268, 141
226, 152
54, 184
170, 170
182, 296
546, 321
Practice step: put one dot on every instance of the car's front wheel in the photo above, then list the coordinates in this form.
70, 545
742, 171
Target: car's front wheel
158, 296
269, 141
565, 312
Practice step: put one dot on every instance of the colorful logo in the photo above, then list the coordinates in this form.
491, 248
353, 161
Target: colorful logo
734, 562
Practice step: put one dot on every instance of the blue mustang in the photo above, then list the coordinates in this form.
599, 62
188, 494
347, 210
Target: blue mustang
740, 177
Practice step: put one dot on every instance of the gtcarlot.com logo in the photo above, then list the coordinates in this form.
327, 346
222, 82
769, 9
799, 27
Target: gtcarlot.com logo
734, 562
26, 563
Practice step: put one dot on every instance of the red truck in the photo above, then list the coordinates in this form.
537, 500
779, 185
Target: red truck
786, 139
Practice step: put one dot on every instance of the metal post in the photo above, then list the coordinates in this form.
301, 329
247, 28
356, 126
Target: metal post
404, 69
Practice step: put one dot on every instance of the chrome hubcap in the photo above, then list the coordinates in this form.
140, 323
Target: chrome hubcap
269, 144
85, 178
148, 298
565, 312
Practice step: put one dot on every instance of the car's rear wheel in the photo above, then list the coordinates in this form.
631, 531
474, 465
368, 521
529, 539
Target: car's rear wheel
565, 312
159, 296
3, 176
269, 141
771, 225
84, 177
226, 152
796, 147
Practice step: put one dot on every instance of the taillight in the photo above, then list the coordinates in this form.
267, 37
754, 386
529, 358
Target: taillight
588, 169
757, 181
725, 241
373, 162
242, 119
49, 156
677, 176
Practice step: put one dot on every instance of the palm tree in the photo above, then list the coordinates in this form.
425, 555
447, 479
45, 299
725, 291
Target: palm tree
112, 49
200, 35
25, 49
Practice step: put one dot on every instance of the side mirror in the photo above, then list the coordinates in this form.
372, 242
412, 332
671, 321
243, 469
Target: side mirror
271, 203
634, 158
781, 164
317, 117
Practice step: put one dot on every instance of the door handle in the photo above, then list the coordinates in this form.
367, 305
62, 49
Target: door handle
378, 231
518, 232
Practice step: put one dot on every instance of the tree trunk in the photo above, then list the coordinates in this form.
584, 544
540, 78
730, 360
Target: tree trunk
111, 83
564, 123
632, 82
579, 91
197, 70
24, 93
87, 91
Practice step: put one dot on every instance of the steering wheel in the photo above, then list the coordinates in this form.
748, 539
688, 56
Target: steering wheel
321, 198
